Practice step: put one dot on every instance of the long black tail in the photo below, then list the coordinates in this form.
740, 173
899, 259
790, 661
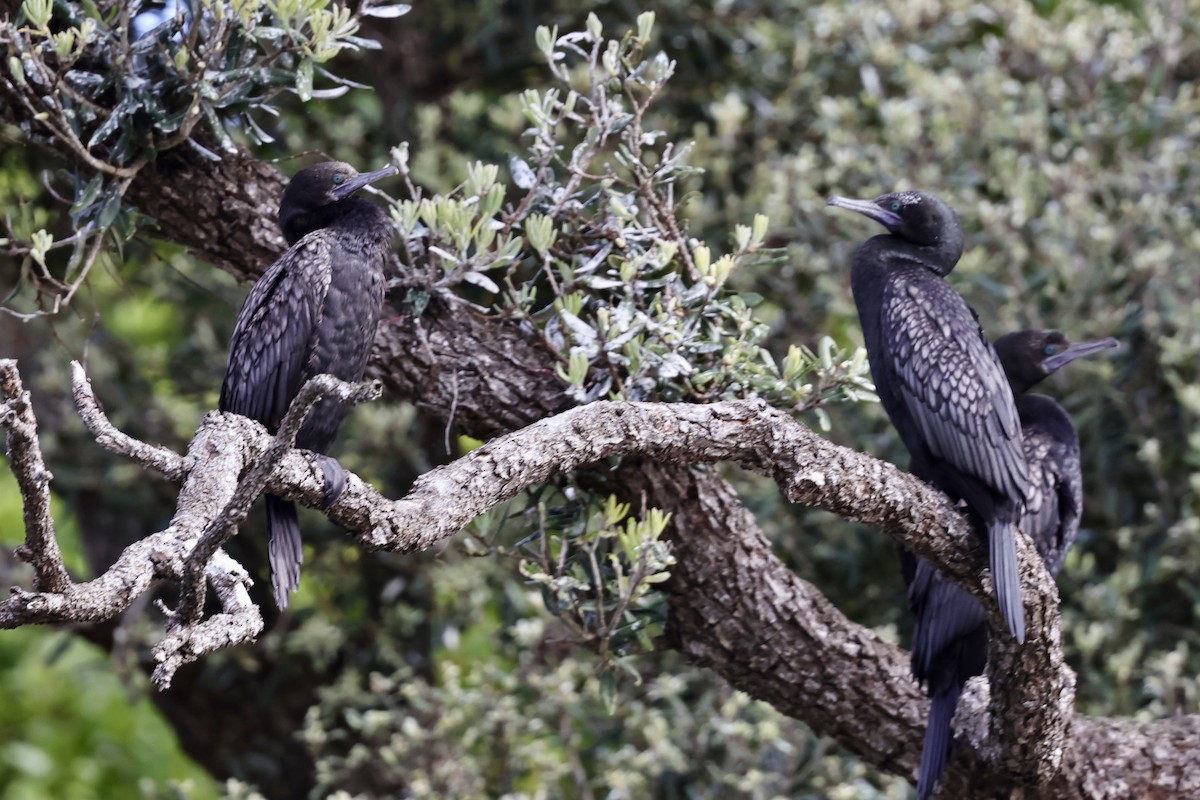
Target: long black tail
938, 739
285, 549
1006, 577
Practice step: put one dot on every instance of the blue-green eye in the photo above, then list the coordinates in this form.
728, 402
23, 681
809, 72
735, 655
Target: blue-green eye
895, 205
1050, 349
337, 179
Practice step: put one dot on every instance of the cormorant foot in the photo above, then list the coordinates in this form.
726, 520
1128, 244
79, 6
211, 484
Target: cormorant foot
335, 480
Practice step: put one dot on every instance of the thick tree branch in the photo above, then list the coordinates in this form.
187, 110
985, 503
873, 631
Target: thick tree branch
217, 456
160, 556
808, 468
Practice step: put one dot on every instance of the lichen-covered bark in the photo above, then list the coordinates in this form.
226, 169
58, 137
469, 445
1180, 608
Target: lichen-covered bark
22, 446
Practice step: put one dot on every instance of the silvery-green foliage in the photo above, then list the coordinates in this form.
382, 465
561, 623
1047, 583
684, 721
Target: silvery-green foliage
595, 566
117, 85
590, 251
530, 720
593, 250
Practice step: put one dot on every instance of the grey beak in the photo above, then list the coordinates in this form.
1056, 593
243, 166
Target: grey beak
362, 179
887, 219
1078, 350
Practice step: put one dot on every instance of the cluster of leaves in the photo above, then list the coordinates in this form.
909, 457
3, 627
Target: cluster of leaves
595, 567
591, 253
594, 252
516, 711
192, 75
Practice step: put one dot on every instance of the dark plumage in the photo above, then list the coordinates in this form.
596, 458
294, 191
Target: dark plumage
953, 650
937, 375
1051, 444
314, 311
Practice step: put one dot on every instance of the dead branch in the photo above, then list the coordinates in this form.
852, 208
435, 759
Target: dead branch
25, 459
1024, 728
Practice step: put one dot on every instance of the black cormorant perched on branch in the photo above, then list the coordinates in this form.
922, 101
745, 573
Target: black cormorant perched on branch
950, 634
937, 375
314, 311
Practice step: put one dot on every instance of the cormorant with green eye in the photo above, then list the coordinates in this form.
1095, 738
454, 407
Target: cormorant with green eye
314, 311
950, 634
937, 375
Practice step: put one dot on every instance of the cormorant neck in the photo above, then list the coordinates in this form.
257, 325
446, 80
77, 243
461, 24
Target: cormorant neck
298, 223
1021, 385
1022, 373
940, 257
949, 248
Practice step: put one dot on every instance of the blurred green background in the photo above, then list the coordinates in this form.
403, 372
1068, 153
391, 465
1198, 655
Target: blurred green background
1064, 133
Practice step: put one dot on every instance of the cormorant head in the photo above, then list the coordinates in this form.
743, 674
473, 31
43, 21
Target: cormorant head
1029, 356
916, 217
313, 188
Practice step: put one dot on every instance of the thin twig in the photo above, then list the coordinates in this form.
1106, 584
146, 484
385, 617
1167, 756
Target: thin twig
453, 411
162, 460
25, 459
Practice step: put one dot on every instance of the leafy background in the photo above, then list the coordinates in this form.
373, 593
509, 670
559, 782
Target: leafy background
1061, 131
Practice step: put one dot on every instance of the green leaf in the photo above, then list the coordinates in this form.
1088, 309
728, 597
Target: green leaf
362, 43
89, 193
16, 70
544, 38
608, 691
256, 132
523, 176
218, 128
482, 281
645, 25
107, 129
329, 94
202, 150
235, 48
112, 207
38, 12
751, 299
386, 12
304, 81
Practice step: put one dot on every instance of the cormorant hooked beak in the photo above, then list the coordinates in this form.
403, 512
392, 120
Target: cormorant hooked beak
867, 208
362, 179
1078, 350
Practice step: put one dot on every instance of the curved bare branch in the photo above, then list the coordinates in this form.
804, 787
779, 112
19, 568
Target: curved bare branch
809, 469
25, 458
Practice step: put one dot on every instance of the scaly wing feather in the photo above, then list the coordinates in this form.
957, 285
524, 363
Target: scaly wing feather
951, 382
272, 339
